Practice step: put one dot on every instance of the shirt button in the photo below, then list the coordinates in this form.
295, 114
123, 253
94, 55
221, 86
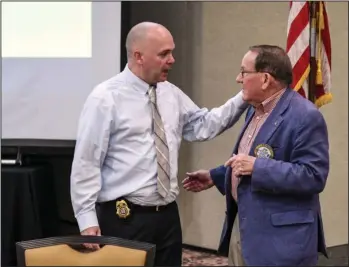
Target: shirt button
250, 136
257, 118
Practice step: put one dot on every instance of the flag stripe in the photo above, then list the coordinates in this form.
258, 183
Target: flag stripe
300, 68
305, 92
326, 71
298, 24
299, 49
325, 36
299, 46
294, 11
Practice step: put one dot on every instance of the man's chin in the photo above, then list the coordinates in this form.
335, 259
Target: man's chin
248, 100
163, 78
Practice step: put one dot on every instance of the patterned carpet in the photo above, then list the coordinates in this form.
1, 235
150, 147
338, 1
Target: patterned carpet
338, 256
196, 258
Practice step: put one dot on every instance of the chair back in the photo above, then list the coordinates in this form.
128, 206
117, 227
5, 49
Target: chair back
69, 251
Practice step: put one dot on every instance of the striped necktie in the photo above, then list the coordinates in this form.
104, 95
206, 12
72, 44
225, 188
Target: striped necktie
162, 153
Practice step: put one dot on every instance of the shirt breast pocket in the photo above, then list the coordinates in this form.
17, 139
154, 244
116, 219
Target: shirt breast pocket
170, 115
173, 132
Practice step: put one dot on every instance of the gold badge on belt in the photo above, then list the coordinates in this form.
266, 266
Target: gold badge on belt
264, 151
122, 209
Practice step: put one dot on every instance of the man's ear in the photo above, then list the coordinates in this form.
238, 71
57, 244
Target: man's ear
267, 79
139, 57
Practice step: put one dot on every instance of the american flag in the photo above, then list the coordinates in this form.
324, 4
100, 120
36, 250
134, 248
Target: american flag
309, 48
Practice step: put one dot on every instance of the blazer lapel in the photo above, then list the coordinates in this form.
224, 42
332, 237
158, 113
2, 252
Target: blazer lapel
273, 121
265, 133
248, 119
247, 122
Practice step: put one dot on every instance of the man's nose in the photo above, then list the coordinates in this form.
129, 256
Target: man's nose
239, 78
171, 60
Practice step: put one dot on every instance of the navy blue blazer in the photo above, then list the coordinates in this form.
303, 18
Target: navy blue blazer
279, 208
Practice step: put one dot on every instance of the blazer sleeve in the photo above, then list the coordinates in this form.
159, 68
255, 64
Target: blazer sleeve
308, 167
218, 177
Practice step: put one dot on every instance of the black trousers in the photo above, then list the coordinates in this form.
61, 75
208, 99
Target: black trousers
162, 228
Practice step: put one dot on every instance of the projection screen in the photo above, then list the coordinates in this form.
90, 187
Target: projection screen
53, 54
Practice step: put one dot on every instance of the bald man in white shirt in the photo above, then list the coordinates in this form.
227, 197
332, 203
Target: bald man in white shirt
126, 154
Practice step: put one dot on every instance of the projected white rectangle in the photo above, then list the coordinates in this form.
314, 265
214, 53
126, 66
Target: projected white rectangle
44, 88
51, 29
39, 29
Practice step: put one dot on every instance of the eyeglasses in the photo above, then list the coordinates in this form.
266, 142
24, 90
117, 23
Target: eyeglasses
253, 71
247, 71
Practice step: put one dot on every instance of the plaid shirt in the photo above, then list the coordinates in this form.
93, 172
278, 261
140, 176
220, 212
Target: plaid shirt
262, 112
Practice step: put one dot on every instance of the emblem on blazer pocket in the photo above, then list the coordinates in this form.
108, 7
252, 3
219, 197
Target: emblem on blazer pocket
264, 151
122, 209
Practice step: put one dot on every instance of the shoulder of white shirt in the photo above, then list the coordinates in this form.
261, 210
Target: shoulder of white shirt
111, 85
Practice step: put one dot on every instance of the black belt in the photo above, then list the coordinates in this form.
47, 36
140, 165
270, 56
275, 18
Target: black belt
139, 208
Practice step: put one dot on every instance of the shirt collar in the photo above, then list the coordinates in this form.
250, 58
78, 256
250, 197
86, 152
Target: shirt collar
134, 80
268, 105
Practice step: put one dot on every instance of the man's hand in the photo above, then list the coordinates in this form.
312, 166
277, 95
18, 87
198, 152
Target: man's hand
197, 181
94, 230
241, 164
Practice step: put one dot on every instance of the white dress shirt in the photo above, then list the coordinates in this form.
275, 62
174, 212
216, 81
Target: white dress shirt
115, 153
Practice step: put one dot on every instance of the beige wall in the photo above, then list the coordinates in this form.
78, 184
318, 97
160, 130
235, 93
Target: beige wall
334, 199
211, 39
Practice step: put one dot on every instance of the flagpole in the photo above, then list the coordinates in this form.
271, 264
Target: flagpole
312, 42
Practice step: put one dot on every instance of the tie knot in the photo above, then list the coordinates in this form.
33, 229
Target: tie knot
152, 94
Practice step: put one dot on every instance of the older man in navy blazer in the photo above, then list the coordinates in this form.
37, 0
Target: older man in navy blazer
278, 167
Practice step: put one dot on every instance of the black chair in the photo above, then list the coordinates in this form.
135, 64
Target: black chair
69, 251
